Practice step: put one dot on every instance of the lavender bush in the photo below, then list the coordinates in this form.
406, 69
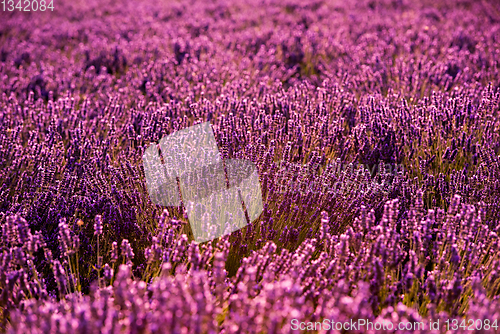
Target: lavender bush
374, 126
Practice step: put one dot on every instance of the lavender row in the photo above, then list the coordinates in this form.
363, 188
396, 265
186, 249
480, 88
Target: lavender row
359, 274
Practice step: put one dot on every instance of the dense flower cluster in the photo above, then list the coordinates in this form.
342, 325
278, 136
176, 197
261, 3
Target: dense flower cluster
374, 126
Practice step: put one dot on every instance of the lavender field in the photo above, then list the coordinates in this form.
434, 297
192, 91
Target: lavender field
374, 126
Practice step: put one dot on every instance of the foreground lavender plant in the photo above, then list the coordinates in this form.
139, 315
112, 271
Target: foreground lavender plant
355, 278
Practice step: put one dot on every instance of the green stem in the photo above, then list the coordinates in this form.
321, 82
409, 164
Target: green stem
98, 267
